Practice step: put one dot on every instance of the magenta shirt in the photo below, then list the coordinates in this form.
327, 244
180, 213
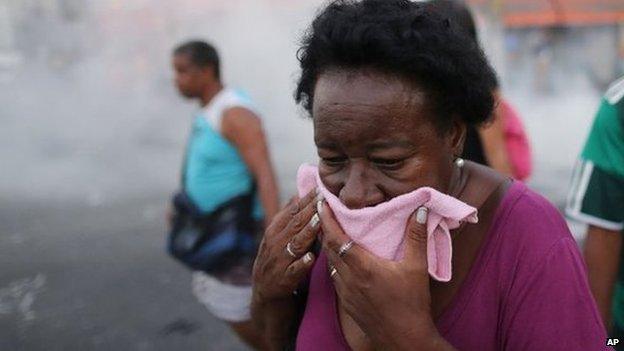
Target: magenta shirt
527, 289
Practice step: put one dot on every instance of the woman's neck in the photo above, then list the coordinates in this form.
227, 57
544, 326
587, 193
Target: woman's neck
459, 179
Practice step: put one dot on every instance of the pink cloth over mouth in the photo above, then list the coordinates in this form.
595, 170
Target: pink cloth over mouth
381, 228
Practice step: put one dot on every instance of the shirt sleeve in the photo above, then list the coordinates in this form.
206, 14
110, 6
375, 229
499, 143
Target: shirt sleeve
605, 144
596, 197
551, 307
596, 194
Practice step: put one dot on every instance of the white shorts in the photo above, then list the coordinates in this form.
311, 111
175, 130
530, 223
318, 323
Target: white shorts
230, 303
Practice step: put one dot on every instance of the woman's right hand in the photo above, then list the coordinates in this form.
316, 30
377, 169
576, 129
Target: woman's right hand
278, 270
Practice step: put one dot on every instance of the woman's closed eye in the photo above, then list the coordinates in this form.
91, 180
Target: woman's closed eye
388, 163
334, 161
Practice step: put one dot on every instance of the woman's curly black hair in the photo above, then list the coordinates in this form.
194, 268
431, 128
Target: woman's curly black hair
406, 40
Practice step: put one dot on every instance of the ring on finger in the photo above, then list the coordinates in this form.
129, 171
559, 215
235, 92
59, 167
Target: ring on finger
332, 272
290, 251
345, 247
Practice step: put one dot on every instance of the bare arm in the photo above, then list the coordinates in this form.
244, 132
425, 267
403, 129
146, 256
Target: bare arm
244, 129
277, 273
493, 140
602, 255
276, 320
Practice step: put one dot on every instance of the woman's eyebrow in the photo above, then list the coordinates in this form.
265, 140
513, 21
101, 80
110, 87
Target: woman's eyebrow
406, 144
326, 145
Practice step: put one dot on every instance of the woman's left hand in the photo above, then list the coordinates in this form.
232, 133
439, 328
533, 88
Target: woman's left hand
390, 301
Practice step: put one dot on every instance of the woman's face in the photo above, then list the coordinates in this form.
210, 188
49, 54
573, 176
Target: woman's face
376, 139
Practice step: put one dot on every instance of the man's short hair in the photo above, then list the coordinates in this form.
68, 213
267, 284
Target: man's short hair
201, 54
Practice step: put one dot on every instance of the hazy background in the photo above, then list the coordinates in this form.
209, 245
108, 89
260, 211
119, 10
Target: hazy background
92, 134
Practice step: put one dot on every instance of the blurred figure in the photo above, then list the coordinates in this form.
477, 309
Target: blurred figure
596, 198
501, 144
544, 54
226, 161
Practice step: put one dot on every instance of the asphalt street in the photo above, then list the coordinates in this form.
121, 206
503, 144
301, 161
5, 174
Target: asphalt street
75, 277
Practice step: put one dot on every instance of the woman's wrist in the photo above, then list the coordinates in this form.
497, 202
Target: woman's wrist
430, 341
274, 319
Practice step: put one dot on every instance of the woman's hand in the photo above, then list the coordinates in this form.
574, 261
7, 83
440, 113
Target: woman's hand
278, 270
390, 301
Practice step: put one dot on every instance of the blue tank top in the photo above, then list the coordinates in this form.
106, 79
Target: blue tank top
214, 169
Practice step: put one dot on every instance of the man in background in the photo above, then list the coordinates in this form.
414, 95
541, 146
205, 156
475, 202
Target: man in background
226, 157
596, 198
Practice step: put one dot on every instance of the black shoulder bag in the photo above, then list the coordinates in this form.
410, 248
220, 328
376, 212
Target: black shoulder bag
212, 241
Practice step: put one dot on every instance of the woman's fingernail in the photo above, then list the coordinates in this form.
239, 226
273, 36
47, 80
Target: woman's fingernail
421, 215
319, 195
319, 206
308, 258
315, 220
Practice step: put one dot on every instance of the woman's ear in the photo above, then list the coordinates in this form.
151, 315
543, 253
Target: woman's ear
457, 136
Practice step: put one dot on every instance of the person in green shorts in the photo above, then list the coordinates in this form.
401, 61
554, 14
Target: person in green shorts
596, 198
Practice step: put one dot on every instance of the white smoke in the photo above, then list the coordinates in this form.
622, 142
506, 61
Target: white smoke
89, 111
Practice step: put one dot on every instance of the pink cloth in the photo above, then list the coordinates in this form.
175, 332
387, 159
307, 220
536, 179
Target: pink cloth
516, 143
380, 229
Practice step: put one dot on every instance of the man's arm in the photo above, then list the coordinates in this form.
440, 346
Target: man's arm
602, 255
244, 129
597, 198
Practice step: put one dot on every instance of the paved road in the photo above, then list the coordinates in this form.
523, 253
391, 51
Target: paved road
78, 277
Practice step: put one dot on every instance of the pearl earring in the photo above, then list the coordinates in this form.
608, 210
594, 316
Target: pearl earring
459, 162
